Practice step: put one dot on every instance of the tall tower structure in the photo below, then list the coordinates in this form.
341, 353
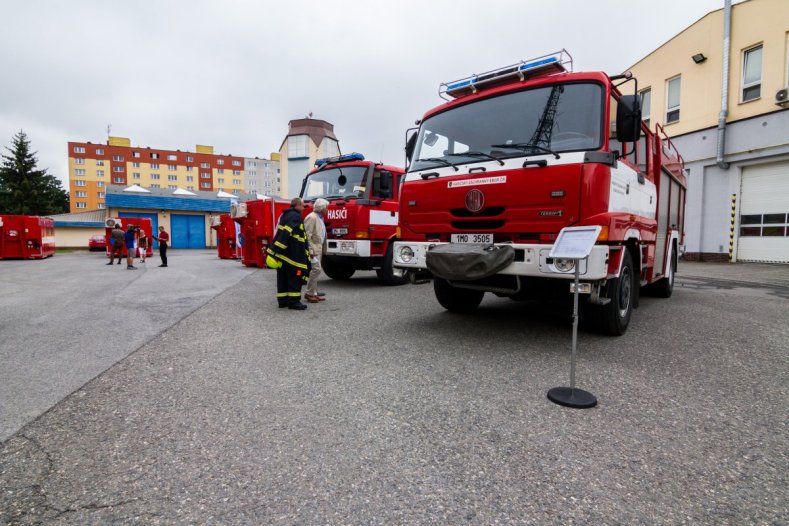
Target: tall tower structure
307, 140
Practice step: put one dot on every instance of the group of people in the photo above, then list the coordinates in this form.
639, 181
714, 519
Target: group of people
296, 254
134, 240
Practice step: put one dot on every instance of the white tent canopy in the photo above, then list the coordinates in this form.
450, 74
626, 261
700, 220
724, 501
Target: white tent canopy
181, 191
136, 188
224, 194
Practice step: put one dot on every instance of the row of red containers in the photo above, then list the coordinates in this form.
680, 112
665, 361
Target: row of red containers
26, 237
248, 229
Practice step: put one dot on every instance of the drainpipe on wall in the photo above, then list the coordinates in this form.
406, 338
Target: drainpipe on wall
724, 86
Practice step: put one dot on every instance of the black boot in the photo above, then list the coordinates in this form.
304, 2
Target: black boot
297, 306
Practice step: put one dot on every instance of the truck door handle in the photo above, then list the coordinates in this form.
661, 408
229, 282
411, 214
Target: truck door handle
429, 175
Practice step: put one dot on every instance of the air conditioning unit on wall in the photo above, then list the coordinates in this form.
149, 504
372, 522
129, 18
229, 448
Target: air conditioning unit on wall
111, 223
782, 96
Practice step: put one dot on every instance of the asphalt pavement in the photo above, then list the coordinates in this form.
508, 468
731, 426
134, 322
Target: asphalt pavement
377, 407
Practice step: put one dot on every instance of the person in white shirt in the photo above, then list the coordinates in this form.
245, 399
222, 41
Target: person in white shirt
316, 237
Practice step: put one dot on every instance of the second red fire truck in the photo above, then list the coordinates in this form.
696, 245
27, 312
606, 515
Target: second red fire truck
517, 154
361, 219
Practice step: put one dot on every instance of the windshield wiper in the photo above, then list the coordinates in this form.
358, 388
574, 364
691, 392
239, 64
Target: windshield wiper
523, 146
439, 160
477, 154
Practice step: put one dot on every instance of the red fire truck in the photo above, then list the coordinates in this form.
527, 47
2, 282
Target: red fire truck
258, 220
143, 222
26, 237
226, 237
517, 154
361, 218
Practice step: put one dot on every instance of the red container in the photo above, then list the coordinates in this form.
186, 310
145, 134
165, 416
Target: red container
258, 220
26, 237
226, 239
143, 222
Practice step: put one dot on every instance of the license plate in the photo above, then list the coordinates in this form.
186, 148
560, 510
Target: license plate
472, 238
339, 231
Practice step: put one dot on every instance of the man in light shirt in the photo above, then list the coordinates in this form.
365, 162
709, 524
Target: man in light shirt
316, 236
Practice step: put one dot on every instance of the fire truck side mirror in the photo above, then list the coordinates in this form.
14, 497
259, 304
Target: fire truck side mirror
410, 145
628, 119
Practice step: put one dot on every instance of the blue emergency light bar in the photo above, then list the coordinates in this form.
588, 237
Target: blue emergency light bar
340, 159
551, 63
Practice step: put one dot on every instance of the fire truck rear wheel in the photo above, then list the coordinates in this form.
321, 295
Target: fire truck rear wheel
455, 299
335, 269
665, 287
388, 274
613, 318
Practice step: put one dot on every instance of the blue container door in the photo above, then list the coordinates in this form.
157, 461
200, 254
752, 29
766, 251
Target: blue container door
187, 231
154, 222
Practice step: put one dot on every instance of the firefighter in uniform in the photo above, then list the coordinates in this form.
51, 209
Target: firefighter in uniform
289, 254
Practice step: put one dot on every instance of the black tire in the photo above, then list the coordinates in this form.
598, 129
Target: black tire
454, 299
388, 274
665, 286
335, 269
613, 318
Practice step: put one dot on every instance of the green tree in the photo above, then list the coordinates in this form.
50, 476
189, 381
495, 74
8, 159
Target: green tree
26, 190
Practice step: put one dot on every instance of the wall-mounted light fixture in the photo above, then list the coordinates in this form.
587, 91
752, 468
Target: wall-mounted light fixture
698, 58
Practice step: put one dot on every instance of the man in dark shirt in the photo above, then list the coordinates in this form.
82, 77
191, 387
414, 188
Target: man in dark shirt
116, 247
289, 254
129, 237
163, 239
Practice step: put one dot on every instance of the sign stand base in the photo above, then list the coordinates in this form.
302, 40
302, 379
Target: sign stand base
569, 397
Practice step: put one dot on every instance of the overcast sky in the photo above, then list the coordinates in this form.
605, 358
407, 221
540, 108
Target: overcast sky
172, 74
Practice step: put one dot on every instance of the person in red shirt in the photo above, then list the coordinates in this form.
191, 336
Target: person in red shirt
164, 240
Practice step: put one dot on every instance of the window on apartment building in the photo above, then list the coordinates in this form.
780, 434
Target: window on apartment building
154, 155
80, 182
135, 165
101, 195
154, 166
190, 187
154, 176
646, 105
99, 151
172, 186
221, 180
172, 157
189, 178
205, 165
81, 194
190, 168
135, 154
117, 179
79, 171
118, 158
220, 161
672, 99
752, 73
236, 163
205, 185
99, 173
189, 159
79, 149
236, 172
135, 175
235, 190
297, 146
101, 205
220, 170
100, 184
155, 186
204, 175
79, 161
82, 205
118, 169
172, 177
236, 181
99, 162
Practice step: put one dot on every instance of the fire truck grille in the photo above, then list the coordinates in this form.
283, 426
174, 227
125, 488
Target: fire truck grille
493, 211
478, 225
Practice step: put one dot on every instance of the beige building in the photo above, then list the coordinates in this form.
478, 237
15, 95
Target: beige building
738, 153
307, 140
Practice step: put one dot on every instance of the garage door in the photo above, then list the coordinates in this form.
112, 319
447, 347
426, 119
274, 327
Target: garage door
187, 231
154, 222
764, 214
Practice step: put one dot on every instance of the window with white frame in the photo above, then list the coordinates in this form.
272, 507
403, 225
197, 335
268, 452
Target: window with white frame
100, 184
155, 186
172, 177
81, 194
204, 175
118, 158
101, 195
135, 175
330, 147
117, 179
155, 176
297, 146
220, 161
135, 165
79, 171
82, 205
236, 163
99, 162
80, 183
172, 167
154, 155
172, 186
234, 190
752, 73
221, 180
646, 105
205, 185
79, 149
172, 157
673, 87
135, 154
79, 161
189, 178
220, 170
118, 169
236, 181
189, 159
154, 166
236, 172
99, 151
205, 165
101, 205
190, 168
99, 173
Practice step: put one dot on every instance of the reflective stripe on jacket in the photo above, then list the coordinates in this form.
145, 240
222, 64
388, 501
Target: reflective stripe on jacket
290, 242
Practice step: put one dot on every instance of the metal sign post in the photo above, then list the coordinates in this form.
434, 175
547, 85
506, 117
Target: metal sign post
574, 243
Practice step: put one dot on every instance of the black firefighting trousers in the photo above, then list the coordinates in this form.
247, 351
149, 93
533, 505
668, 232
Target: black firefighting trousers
289, 283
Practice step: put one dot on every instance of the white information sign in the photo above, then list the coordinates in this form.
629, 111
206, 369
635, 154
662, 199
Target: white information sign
575, 242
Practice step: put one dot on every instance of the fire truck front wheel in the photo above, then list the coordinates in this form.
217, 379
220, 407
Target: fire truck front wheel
336, 269
388, 274
614, 317
455, 299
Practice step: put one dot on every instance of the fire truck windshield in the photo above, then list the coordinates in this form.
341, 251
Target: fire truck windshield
335, 183
538, 121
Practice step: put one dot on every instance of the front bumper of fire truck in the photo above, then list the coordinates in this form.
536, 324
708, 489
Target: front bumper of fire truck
348, 247
530, 260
